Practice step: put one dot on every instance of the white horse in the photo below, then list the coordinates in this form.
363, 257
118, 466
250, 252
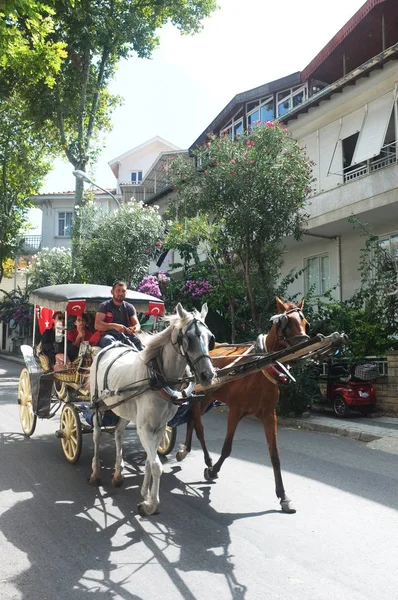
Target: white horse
119, 381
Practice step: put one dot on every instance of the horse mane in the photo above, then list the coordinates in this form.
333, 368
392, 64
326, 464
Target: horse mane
154, 343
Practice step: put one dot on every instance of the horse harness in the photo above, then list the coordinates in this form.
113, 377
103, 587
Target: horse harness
156, 378
281, 321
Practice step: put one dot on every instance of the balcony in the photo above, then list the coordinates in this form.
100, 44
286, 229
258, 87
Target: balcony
30, 244
387, 157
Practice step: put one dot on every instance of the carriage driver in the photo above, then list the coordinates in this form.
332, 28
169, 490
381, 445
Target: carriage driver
116, 318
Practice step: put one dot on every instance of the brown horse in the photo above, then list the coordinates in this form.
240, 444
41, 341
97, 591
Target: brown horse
257, 394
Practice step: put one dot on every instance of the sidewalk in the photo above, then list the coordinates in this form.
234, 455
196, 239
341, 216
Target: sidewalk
380, 432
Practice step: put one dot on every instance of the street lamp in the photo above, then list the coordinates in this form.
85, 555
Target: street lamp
82, 175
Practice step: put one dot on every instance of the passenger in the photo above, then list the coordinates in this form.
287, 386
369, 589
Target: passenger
117, 319
52, 345
80, 333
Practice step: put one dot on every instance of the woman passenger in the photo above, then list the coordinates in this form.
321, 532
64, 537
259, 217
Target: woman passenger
80, 333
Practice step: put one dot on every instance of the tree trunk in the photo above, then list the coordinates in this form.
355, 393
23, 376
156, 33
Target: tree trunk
249, 291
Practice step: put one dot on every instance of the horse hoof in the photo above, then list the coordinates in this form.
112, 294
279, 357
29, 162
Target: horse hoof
180, 455
117, 481
94, 480
143, 510
288, 507
208, 476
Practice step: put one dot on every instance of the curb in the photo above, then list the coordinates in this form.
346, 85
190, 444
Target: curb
342, 431
12, 358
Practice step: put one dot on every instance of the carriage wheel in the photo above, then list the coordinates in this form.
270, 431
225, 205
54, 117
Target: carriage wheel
70, 433
168, 441
26, 415
60, 389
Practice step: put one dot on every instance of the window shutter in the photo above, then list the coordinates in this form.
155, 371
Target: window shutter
310, 144
328, 138
374, 129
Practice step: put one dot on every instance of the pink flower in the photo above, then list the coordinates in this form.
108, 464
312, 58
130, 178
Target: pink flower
208, 144
252, 162
232, 160
233, 173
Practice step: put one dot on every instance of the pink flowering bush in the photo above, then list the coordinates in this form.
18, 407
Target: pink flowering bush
154, 284
196, 288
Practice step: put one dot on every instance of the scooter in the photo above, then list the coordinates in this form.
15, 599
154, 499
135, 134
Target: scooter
346, 392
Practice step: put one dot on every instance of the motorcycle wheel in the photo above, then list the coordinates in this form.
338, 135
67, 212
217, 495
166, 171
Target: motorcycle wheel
340, 407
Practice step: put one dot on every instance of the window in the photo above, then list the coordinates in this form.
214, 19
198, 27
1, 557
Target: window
291, 98
317, 274
267, 110
136, 177
65, 224
234, 127
390, 245
260, 111
349, 144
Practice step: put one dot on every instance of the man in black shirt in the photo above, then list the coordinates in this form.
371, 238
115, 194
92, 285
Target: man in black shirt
117, 318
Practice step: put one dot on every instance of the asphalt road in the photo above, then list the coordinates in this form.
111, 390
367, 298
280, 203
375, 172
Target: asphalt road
61, 539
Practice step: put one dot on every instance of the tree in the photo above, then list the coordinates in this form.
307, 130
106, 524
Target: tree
252, 191
370, 316
27, 52
24, 161
50, 266
97, 34
121, 245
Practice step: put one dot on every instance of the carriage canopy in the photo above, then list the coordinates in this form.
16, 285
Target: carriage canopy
75, 298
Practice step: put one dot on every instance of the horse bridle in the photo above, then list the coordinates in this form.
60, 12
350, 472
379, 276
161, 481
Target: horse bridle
183, 332
282, 320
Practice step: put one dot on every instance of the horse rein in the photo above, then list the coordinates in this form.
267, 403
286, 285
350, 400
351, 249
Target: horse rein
281, 321
181, 350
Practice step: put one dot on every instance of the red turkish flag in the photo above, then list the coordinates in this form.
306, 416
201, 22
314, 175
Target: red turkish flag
76, 307
156, 309
44, 318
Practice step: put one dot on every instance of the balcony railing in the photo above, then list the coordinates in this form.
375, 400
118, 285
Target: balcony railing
387, 157
31, 244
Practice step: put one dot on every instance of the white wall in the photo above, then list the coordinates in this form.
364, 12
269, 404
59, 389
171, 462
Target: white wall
320, 130
141, 160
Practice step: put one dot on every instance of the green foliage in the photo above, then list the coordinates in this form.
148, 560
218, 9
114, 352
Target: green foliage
296, 397
246, 197
370, 316
51, 266
118, 245
96, 35
24, 162
15, 308
27, 50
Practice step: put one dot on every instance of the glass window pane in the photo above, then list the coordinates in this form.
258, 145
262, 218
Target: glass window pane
140, 176
134, 177
312, 274
253, 118
324, 274
298, 98
283, 94
252, 105
394, 246
68, 225
61, 223
284, 107
238, 129
267, 111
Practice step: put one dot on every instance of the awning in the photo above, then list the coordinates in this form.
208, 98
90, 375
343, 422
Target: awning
64, 297
373, 132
